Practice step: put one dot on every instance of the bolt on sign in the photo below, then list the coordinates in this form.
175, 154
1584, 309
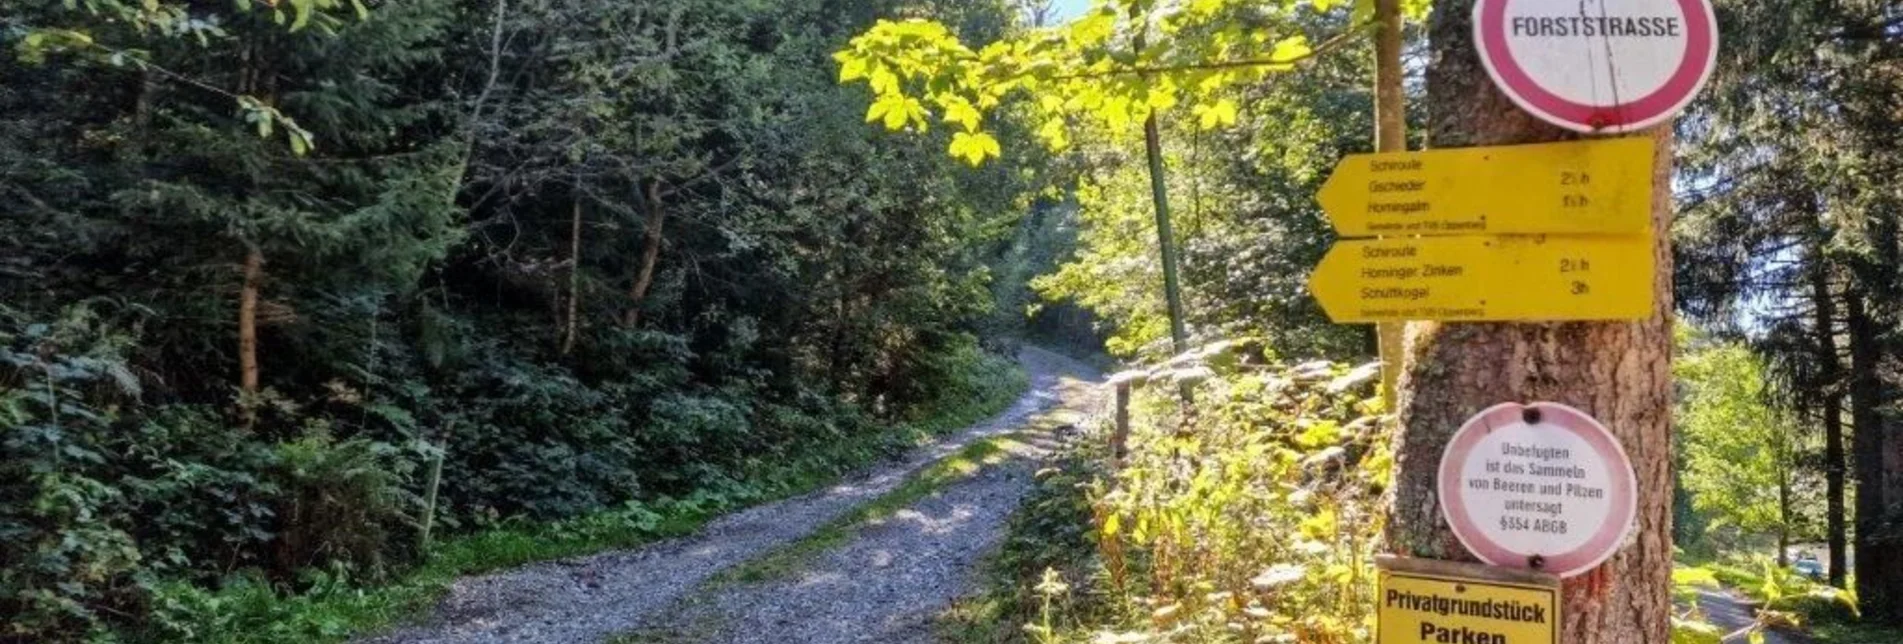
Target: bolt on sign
1422, 600
1576, 187
1598, 65
1541, 486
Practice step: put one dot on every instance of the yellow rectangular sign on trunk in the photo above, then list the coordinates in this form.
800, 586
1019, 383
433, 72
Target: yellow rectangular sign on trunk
1417, 607
1577, 187
1487, 278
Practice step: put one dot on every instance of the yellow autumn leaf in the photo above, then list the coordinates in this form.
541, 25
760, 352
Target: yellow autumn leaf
961, 112
851, 69
1289, 50
1055, 134
885, 105
1220, 114
974, 147
1093, 29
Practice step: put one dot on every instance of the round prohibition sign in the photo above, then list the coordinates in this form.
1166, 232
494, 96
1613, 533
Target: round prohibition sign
1541, 486
1598, 66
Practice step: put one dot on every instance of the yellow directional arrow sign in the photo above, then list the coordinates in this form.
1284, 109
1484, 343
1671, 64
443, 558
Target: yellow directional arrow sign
1578, 187
1498, 278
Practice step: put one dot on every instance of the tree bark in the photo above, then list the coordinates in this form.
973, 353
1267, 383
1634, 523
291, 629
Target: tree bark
248, 320
1618, 372
1831, 404
1390, 135
1783, 509
571, 326
1879, 580
650, 252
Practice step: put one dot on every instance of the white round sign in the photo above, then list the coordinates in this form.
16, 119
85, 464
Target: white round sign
1538, 486
1598, 65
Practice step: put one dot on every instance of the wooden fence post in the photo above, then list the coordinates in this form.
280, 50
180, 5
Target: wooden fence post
1120, 437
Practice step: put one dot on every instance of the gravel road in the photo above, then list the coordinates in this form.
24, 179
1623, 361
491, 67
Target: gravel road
883, 585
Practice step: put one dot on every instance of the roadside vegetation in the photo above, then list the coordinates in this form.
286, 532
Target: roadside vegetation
1256, 514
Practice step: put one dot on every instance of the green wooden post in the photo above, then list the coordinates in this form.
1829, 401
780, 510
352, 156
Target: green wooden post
1165, 238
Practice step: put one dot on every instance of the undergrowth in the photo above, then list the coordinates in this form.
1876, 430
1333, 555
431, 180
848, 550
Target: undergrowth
1252, 516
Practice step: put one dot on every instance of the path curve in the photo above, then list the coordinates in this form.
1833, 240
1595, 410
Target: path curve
888, 582
591, 598
1731, 614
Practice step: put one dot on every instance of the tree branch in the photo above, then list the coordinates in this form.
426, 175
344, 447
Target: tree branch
1337, 42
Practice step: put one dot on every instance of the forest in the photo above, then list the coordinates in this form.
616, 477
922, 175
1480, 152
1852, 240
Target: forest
311, 311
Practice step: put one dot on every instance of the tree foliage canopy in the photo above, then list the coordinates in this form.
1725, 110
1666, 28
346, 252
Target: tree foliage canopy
1113, 67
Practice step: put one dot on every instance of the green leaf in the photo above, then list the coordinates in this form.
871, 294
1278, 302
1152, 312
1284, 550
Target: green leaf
303, 8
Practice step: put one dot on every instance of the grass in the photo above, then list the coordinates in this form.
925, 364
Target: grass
335, 607
1836, 633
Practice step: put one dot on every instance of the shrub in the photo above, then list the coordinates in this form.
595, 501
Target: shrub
1248, 515
338, 503
66, 560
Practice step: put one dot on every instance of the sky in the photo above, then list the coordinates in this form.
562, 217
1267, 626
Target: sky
1067, 9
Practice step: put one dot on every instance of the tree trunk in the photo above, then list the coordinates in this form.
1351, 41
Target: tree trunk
650, 253
1783, 509
1390, 135
571, 326
248, 320
1831, 403
475, 116
1618, 372
1879, 580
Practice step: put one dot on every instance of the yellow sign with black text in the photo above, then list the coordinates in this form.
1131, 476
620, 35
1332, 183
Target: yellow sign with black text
1487, 278
1577, 187
1417, 608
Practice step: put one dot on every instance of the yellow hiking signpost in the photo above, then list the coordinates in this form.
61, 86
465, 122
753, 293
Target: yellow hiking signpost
1578, 187
1546, 232
1504, 278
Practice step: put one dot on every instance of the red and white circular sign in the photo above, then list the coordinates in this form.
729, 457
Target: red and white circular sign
1598, 65
1538, 486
